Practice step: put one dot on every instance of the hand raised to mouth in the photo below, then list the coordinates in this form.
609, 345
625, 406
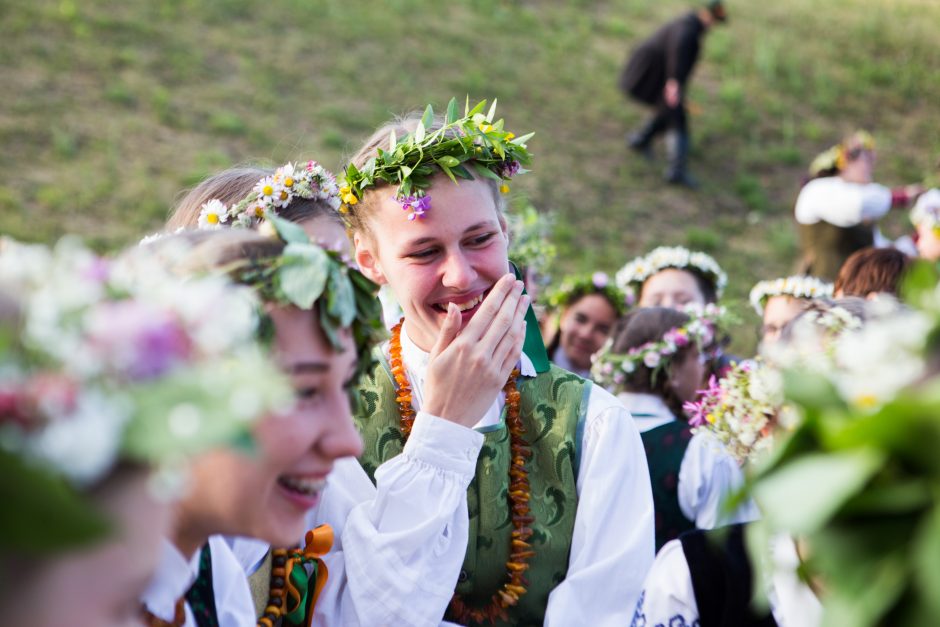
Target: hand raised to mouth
468, 367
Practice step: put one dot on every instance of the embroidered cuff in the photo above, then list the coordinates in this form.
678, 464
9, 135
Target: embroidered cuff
444, 444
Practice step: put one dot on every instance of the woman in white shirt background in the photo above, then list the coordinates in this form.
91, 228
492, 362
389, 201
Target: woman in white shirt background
837, 210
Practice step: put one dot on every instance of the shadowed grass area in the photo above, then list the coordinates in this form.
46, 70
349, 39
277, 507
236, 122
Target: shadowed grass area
111, 108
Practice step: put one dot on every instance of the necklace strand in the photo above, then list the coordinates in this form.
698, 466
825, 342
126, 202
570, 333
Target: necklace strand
520, 551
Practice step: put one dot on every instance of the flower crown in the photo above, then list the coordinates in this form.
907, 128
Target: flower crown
927, 209
473, 140
610, 369
310, 181
305, 273
109, 360
796, 286
631, 276
835, 157
572, 288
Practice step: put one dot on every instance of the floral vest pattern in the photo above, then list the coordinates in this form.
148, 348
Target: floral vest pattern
553, 407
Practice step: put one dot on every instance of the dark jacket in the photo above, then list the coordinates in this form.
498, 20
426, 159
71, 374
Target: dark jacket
670, 53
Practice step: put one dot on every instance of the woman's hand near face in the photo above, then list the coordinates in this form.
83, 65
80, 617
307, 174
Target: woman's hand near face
469, 367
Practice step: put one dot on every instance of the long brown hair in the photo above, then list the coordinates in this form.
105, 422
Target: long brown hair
650, 324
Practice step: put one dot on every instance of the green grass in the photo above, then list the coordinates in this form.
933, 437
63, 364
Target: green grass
110, 109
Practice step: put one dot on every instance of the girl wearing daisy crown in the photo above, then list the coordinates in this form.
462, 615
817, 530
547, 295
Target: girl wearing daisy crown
672, 276
779, 301
321, 332
239, 196
655, 363
431, 186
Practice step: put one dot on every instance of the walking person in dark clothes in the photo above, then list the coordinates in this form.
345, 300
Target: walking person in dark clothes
656, 75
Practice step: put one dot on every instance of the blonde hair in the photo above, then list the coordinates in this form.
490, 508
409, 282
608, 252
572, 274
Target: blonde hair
233, 185
356, 215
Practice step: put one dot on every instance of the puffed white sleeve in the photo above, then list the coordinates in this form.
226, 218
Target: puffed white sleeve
402, 542
709, 475
612, 545
667, 597
841, 203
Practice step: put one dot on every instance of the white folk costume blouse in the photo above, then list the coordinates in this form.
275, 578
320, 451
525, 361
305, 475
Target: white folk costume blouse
668, 597
399, 544
612, 543
708, 472
842, 203
175, 574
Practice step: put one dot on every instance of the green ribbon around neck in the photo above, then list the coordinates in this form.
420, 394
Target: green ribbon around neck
533, 346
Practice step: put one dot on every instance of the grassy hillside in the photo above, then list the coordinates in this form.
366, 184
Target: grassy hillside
111, 108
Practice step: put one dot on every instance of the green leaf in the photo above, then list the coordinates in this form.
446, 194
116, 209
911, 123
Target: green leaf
369, 170
448, 161
427, 120
289, 232
485, 172
462, 172
492, 111
811, 391
392, 141
926, 563
477, 109
419, 132
803, 495
405, 172
42, 514
520, 141
304, 273
342, 300
448, 172
451, 111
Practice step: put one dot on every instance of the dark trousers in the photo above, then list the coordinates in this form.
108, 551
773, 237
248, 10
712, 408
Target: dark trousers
664, 119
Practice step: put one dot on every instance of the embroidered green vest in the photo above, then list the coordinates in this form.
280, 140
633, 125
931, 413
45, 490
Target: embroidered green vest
552, 407
665, 447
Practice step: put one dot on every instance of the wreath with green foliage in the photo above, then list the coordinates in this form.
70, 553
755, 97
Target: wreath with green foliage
461, 148
306, 273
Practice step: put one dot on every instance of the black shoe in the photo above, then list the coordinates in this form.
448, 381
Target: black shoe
682, 179
677, 147
640, 145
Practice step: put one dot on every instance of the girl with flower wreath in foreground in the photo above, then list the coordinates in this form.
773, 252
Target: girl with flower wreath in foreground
111, 384
656, 363
587, 309
560, 508
266, 491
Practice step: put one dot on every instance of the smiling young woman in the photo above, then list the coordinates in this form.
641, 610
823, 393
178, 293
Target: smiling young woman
426, 217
